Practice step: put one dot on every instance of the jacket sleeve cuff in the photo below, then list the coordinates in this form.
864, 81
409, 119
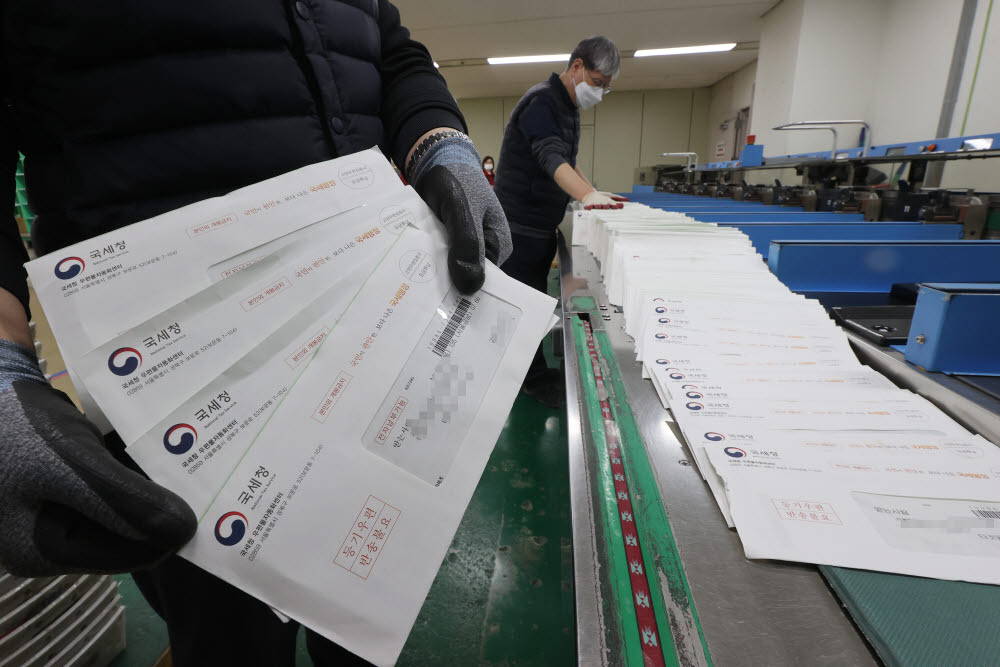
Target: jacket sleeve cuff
419, 124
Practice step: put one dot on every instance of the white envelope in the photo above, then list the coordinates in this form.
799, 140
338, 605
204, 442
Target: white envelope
788, 309
722, 384
336, 503
83, 287
894, 504
743, 363
743, 342
139, 377
872, 409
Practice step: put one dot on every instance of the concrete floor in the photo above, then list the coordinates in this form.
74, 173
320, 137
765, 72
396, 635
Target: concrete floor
504, 594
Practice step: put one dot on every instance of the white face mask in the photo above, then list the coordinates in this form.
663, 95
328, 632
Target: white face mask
588, 96
488, 167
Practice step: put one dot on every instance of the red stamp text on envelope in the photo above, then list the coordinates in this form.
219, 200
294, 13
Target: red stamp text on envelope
262, 295
806, 510
303, 351
367, 538
331, 397
211, 225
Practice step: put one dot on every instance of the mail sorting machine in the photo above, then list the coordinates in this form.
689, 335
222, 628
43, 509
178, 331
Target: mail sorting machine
707, 604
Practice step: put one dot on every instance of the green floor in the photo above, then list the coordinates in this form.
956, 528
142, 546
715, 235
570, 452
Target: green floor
145, 633
504, 594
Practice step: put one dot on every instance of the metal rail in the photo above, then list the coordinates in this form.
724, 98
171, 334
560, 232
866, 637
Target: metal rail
691, 160
833, 151
970, 407
820, 123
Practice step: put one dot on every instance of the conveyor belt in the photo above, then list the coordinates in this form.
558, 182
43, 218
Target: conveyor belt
659, 625
752, 613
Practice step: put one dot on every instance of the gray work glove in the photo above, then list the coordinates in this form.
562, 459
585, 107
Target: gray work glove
66, 505
449, 177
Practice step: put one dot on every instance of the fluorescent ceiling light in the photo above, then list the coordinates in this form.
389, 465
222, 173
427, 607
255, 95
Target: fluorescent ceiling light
679, 50
513, 60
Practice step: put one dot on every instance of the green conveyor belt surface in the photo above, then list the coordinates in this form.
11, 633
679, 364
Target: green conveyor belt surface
915, 622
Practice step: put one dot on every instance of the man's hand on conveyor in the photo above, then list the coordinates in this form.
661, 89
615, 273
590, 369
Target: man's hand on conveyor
449, 177
66, 505
599, 200
613, 196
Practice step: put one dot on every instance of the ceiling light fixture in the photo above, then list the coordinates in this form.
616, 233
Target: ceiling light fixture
680, 50
514, 60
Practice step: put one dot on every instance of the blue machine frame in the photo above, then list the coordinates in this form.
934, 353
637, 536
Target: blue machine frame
763, 234
954, 328
778, 216
912, 149
873, 266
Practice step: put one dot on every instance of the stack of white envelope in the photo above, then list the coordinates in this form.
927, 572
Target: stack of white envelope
293, 361
810, 455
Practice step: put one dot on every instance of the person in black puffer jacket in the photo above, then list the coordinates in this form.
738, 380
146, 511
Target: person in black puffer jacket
125, 110
538, 176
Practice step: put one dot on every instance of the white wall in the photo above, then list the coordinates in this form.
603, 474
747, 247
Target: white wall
983, 109
485, 118
667, 117
884, 61
818, 60
840, 45
726, 98
772, 98
984, 106
625, 131
912, 72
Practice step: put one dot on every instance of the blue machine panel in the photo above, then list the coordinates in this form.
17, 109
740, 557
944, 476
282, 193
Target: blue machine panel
728, 208
954, 328
873, 266
711, 205
763, 234
779, 215
752, 155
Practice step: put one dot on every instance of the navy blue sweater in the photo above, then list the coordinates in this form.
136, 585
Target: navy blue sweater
543, 133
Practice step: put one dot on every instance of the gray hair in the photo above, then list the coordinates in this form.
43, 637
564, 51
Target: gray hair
598, 54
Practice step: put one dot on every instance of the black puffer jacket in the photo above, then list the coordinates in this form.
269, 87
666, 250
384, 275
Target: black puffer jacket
126, 109
543, 133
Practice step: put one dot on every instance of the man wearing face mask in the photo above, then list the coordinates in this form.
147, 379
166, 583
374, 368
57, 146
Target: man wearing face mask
540, 176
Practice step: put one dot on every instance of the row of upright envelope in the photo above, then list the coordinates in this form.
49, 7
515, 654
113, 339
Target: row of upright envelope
810, 455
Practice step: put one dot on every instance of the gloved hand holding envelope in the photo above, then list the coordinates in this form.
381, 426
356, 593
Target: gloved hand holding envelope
329, 433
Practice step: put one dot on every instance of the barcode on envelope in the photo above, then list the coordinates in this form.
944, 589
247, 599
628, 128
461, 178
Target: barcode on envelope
987, 514
444, 340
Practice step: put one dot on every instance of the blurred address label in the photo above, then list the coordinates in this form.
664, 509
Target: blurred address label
421, 421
